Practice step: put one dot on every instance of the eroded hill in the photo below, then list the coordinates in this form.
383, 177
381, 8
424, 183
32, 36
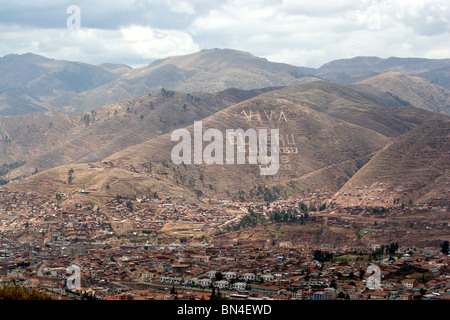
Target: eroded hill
328, 133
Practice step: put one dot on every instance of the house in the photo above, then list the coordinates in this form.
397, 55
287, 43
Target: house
378, 295
205, 283
354, 295
267, 277
239, 286
202, 258
405, 296
192, 281
330, 294
318, 295
410, 283
248, 276
267, 289
180, 268
229, 275
222, 284
436, 284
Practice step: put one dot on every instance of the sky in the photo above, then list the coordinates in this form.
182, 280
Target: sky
302, 33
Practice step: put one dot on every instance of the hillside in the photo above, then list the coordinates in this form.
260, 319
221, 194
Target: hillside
327, 133
49, 139
413, 167
31, 83
413, 90
218, 69
346, 71
205, 71
38, 78
15, 102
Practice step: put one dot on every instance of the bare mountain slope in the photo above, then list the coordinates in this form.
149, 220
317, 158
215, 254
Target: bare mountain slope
414, 166
76, 87
41, 79
346, 71
50, 139
205, 71
38, 82
413, 90
327, 133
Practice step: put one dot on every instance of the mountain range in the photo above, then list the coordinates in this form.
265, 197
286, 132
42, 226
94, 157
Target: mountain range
31, 83
367, 131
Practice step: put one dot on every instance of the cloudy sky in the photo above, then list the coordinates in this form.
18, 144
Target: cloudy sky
303, 33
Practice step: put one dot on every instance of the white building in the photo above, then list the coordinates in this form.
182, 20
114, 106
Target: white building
222, 284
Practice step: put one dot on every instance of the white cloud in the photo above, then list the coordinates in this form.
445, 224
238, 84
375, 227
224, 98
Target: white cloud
151, 43
135, 45
181, 7
300, 32
314, 32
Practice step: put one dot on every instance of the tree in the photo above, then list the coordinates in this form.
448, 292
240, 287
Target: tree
130, 205
323, 256
173, 290
198, 193
445, 248
70, 177
362, 272
393, 247
86, 119
333, 284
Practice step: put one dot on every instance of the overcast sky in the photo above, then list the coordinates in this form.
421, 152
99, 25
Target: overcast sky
303, 33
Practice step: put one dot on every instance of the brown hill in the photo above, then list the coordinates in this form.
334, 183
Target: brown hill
15, 102
346, 71
205, 71
413, 90
327, 133
413, 167
30, 82
35, 79
46, 140
26, 136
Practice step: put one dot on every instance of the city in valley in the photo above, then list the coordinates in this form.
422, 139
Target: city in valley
169, 249
142, 157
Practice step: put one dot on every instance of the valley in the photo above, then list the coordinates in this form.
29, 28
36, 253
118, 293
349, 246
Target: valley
363, 165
